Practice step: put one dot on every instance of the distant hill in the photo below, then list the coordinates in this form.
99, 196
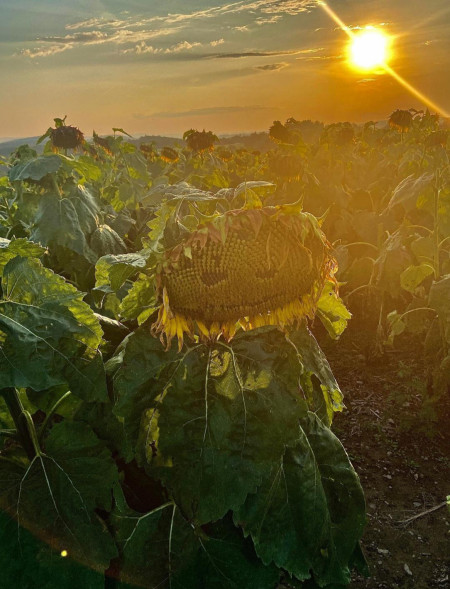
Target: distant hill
7, 147
252, 141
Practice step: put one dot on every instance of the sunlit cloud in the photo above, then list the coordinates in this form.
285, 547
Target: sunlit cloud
142, 48
268, 21
182, 46
120, 37
217, 42
43, 51
275, 7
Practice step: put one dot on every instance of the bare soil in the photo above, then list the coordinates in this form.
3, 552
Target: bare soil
399, 443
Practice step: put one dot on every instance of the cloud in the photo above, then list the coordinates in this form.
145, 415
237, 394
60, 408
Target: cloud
183, 46
85, 24
134, 30
43, 51
142, 48
274, 7
120, 37
84, 38
210, 110
272, 67
268, 21
251, 54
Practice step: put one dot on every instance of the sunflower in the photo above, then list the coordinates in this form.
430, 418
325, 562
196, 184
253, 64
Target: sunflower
169, 155
66, 137
401, 120
245, 269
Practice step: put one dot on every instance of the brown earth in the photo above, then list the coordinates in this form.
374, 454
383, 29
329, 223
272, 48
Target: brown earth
399, 444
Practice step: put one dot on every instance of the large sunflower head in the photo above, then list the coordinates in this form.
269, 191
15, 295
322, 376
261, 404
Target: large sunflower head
66, 137
245, 268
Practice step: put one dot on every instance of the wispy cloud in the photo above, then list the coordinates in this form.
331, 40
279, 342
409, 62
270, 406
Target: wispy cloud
275, 7
43, 51
240, 55
135, 31
119, 37
83, 38
272, 67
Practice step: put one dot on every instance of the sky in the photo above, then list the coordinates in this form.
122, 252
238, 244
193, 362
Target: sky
164, 66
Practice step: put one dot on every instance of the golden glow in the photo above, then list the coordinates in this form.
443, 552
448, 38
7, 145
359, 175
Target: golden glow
64, 553
368, 49
427, 101
419, 95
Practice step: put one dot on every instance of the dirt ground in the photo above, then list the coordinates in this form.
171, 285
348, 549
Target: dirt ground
402, 456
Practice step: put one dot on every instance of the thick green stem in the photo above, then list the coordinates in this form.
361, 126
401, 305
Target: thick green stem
437, 270
23, 421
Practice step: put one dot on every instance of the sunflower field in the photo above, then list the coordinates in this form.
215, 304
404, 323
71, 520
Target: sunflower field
166, 410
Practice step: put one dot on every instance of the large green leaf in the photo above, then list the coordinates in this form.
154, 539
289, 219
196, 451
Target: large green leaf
161, 549
54, 496
112, 271
221, 421
18, 247
316, 380
86, 208
413, 276
105, 240
35, 169
144, 369
308, 514
332, 311
48, 335
86, 461
57, 225
409, 189
140, 302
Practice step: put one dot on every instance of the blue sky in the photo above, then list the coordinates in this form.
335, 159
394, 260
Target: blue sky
163, 66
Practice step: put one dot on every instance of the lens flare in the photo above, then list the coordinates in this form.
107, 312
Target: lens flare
383, 65
368, 49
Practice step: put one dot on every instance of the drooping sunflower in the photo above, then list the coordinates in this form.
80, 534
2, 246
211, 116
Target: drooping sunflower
246, 268
66, 137
401, 120
169, 155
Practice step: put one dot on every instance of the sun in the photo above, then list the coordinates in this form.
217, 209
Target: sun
369, 49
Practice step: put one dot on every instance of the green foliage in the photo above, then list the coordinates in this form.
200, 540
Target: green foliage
312, 502
48, 335
215, 466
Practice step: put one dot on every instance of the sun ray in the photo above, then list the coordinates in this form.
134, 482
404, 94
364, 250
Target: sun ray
414, 91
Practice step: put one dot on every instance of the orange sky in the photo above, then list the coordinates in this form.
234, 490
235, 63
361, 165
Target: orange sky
164, 66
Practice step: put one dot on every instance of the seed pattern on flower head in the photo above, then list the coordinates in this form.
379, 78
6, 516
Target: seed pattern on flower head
256, 267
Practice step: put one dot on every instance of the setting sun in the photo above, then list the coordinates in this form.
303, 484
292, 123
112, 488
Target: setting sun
369, 49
